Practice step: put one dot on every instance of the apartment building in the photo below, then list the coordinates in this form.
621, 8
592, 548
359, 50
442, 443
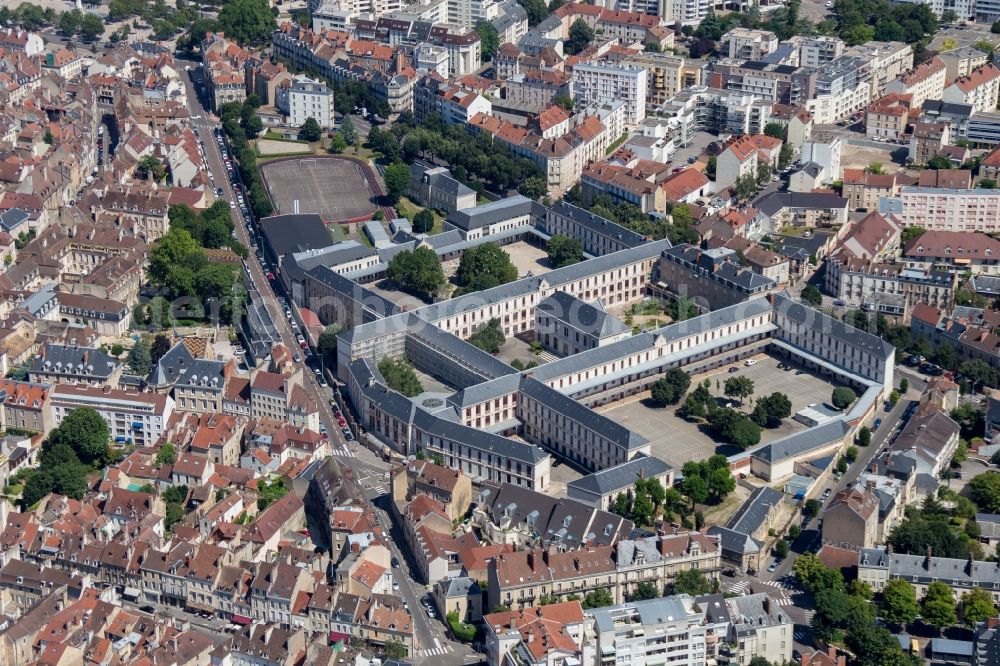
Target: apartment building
749, 44
818, 50
666, 74
520, 579
303, 98
74, 365
283, 397
923, 82
851, 519
928, 141
717, 111
890, 289
602, 82
742, 156
889, 60
961, 61
888, 116
454, 103
771, 82
132, 417
843, 88
557, 633
864, 190
979, 89
534, 90
26, 406
756, 627
956, 251
713, 278
669, 630
877, 567
638, 185
950, 209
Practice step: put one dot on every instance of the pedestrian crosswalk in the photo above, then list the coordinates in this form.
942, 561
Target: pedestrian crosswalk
739, 587
343, 451
438, 649
781, 592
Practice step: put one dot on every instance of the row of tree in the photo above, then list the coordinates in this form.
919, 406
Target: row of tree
240, 120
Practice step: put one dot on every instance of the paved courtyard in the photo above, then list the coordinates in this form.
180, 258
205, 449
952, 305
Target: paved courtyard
528, 258
676, 440
335, 189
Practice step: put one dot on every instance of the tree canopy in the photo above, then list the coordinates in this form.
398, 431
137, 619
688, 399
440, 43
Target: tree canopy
397, 179
310, 130
984, 490
671, 387
399, 375
484, 267
843, 397
564, 251
249, 22
580, 37
489, 336
417, 270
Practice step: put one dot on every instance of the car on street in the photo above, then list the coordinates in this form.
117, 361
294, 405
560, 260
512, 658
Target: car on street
395, 586
750, 362
430, 612
878, 423
348, 436
839, 303
232, 205
395, 563
774, 565
341, 422
733, 370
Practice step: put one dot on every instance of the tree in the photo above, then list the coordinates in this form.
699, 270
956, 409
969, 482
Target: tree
864, 436
399, 375
598, 598
151, 167
671, 387
348, 131
785, 155
249, 22
489, 40
816, 576
311, 131
397, 179
565, 101
84, 431
91, 27
979, 372
337, 144
140, 360
394, 649
843, 397
926, 529
580, 37
739, 387
984, 490
536, 10
811, 296
166, 455
939, 162
745, 187
161, 345
489, 336
172, 251
423, 221
691, 581
811, 508
938, 609
417, 270
564, 251
270, 492
899, 602
770, 410
977, 606
875, 168
69, 22
781, 549
327, 343
484, 267
995, 28
987, 184
643, 591
696, 489
904, 385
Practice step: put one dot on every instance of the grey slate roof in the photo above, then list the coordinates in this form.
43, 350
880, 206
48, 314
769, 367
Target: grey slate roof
494, 388
802, 442
587, 418
591, 319
491, 213
554, 519
985, 284
12, 218
622, 476
73, 362
735, 542
752, 514
178, 365
812, 318
462, 586
922, 569
295, 232
598, 225
771, 203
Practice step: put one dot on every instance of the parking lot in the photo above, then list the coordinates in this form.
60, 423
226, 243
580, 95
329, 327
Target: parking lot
676, 440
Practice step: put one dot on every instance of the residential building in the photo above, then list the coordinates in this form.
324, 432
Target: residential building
757, 626
741, 157
864, 190
923, 82
961, 61
670, 628
928, 141
979, 89
957, 251
75, 365
843, 88
597, 82
851, 519
132, 417
888, 117
749, 44
601, 488
712, 278
303, 98
950, 210
877, 567
888, 288
26, 406
540, 636
639, 185
667, 74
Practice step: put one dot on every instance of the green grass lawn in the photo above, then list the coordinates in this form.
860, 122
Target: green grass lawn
409, 210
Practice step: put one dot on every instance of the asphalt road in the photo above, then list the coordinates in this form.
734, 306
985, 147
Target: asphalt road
433, 643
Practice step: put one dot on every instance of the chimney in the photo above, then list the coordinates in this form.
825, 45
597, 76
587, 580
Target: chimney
927, 560
767, 605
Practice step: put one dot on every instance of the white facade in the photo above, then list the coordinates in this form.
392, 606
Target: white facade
951, 210
429, 58
826, 153
305, 98
594, 82
137, 417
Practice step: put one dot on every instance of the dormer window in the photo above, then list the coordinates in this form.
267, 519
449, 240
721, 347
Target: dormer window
947, 250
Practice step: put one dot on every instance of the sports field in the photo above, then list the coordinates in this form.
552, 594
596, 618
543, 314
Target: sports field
335, 189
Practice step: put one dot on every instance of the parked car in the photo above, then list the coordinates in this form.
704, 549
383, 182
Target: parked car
774, 565
839, 303
395, 563
733, 370
750, 362
878, 423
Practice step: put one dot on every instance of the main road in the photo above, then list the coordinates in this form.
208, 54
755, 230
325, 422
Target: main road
431, 638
